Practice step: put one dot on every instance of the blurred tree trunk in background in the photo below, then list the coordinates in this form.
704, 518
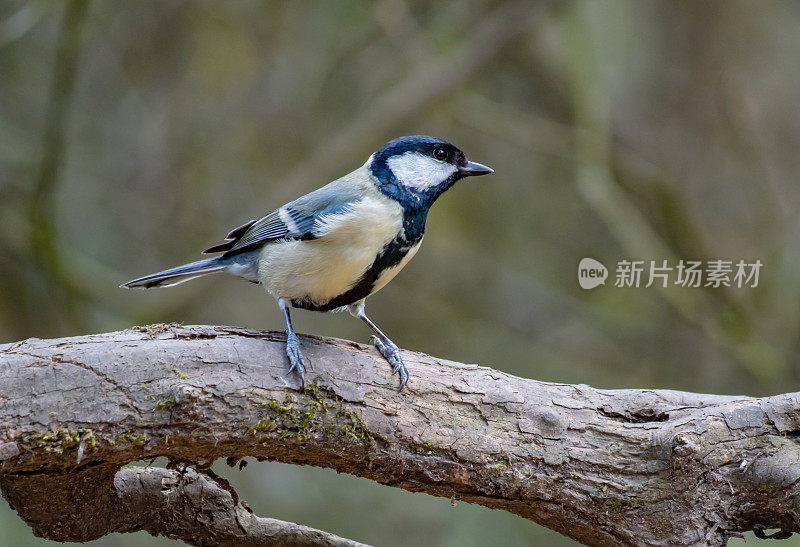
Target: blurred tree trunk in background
54, 285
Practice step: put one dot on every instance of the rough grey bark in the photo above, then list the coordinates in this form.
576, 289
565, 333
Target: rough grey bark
180, 504
625, 467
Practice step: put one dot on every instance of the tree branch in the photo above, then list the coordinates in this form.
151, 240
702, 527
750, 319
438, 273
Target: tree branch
626, 467
185, 504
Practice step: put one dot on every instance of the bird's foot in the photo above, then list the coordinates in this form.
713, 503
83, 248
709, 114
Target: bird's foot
296, 360
391, 353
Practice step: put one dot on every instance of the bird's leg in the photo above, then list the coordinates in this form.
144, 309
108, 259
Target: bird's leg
296, 359
388, 349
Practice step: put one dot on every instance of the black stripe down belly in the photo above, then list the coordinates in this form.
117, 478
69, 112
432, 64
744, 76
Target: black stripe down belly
390, 256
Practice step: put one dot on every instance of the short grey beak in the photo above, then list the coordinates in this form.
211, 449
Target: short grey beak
473, 169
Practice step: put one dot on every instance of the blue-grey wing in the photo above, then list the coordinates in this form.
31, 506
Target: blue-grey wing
296, 220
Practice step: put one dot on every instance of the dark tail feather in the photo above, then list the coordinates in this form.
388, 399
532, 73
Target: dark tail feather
179, 274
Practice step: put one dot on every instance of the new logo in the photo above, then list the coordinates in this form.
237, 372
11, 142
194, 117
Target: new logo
591, 273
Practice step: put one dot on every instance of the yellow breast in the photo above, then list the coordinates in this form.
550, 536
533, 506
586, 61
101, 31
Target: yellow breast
321, 269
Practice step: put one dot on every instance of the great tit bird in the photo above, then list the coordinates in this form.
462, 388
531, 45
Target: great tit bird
330, 249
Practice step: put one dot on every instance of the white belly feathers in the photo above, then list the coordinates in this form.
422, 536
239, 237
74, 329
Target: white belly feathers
321, 269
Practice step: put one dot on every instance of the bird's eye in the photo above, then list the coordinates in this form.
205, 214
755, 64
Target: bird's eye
440, 154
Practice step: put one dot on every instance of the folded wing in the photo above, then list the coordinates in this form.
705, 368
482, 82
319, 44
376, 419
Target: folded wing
299, 219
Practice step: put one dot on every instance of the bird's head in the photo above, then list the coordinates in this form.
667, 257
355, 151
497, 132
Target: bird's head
418, 168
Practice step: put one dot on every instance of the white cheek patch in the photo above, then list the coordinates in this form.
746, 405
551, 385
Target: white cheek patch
418, 171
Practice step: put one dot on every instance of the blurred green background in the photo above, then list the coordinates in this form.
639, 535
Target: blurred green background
135, 134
